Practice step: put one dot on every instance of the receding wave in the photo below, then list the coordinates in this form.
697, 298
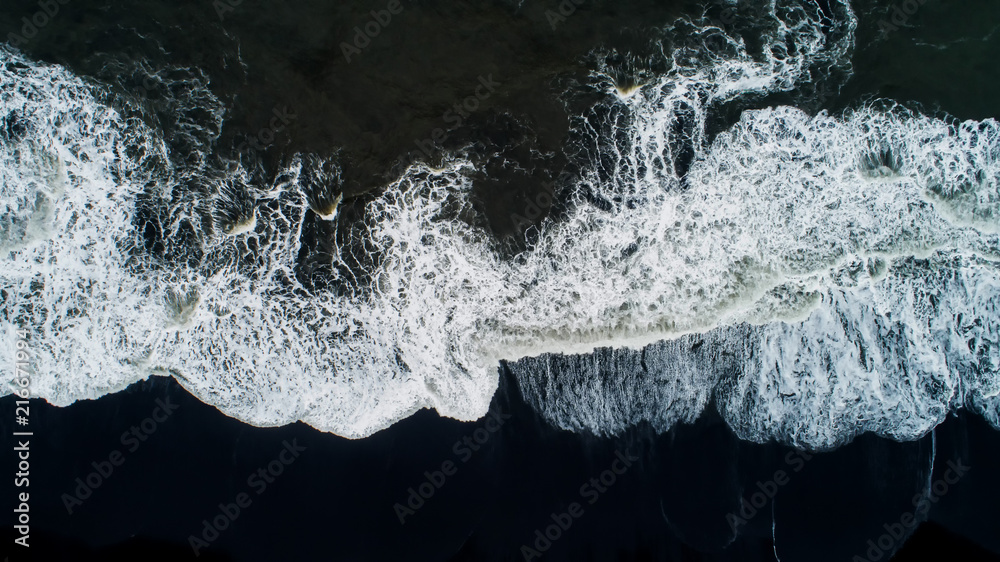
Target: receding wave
813, 276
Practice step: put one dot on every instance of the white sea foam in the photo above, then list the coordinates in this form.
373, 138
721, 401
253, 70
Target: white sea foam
817, 276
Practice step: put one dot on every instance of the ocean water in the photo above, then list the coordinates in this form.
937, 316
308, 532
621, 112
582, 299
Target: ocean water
780, 215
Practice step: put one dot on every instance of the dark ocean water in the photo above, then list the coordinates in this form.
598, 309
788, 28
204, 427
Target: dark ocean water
684, 495
261, 55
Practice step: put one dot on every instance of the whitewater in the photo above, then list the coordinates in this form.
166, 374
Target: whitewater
810, 276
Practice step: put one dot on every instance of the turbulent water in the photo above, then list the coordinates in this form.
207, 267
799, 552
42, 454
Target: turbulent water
811, 276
